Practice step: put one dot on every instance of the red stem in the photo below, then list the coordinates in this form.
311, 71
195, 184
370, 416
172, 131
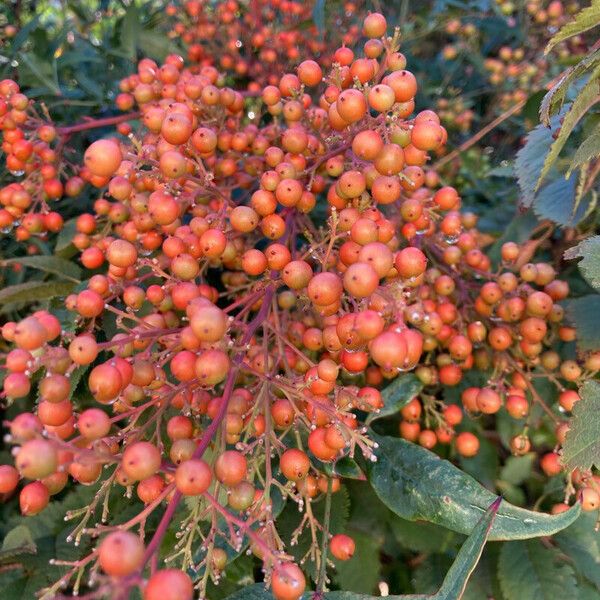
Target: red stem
211, 430
95, 123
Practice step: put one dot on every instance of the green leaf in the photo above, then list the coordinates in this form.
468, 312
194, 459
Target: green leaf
557, 93
588, 150
468, 556
64, 241
587, 592
589, 250
49, 264
130, 31
582, 444
418, 485
584, 314
318, 15
35, 290
586, 98
452, 588
517, 469
559, 202
530, 160
529, 571
581, 543
345, 467
17, 541
42, 71
154, 44
361, 573
585, 19
397, 395
423, 536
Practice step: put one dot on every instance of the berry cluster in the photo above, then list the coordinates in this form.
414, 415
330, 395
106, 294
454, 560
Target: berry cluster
264, 37
263, 269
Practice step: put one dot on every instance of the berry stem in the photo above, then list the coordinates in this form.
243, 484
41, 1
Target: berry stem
211, 430
95, 123
325, 542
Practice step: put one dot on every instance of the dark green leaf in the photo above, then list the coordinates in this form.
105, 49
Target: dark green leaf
581, 543
530, 571
360, 574
397, 395
418, 485
582, 444
584, 314
558, 202
421, 536
35, 290
42, 71
130, 31
49, 264
517, 468
17, 541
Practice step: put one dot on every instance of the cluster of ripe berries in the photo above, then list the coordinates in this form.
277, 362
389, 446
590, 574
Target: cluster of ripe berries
248, 323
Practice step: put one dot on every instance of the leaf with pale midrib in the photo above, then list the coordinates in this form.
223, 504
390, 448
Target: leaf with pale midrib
418, 485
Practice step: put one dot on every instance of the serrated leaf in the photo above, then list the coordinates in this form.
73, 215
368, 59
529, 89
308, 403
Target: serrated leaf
581, 543
585, 19
530, 160
418, 485
588, 150
517, 468
558, 202
41, 70
584, 314
587, 96
530, 571
582, 443
49, 264
397, 395
17, 541
35, 290
556, 94
589, 251
587, 592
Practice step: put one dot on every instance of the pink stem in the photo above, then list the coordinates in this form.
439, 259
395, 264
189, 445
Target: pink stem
211, 430
95, 123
